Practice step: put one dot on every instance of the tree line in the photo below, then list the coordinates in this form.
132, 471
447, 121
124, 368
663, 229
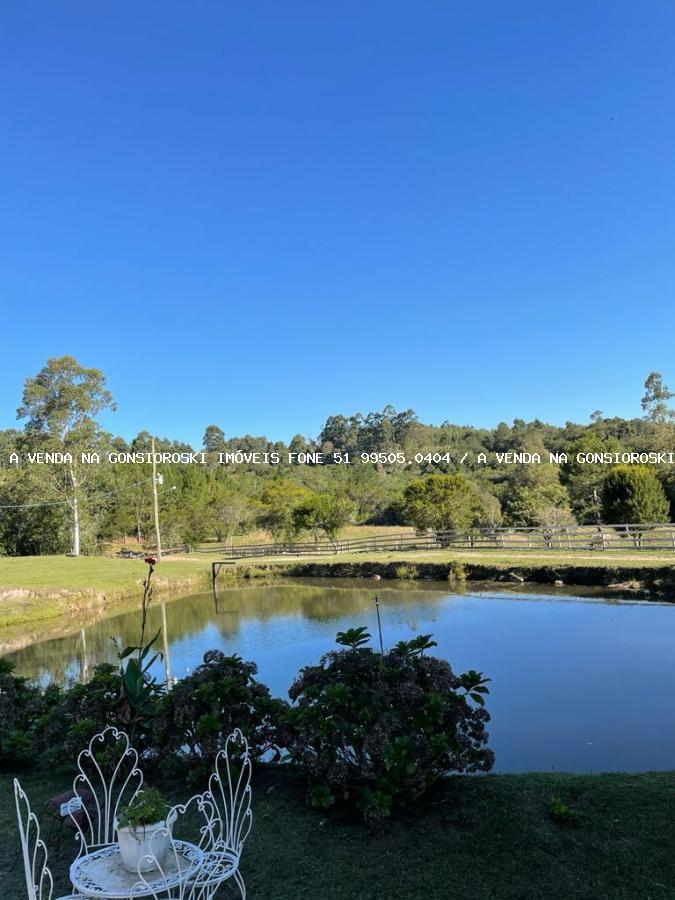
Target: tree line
69, 507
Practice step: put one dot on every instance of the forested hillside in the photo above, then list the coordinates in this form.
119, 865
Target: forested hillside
381, 467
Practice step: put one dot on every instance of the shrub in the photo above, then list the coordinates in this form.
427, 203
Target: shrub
376, 731
81, 712
561, 812
126, 696
196, 716
22, 710
442, 502
402, 572
456, 574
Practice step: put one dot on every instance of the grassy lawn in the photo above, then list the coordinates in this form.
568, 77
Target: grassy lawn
349, 533
490, 837
34, 588
88, 572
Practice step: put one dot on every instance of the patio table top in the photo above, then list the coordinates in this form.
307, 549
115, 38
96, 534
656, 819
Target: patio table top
101, 873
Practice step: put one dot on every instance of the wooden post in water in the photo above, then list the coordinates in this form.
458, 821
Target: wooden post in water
379, 623
165, 640
84, 668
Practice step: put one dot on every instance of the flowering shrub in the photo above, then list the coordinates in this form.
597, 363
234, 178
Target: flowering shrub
196, 716
378, 730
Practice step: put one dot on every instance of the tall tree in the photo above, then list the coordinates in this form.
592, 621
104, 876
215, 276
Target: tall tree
655, 401
60, 405
633, 494
327, 512
280, 500
231, 510
214, 439
531, 488
584, 480
442, 502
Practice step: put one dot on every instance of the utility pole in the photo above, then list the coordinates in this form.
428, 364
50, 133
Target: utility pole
158, 540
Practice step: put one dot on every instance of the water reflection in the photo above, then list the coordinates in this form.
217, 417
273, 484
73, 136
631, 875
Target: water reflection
193, 618
581, 686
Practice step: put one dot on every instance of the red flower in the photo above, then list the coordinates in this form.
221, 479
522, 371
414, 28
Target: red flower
150, 560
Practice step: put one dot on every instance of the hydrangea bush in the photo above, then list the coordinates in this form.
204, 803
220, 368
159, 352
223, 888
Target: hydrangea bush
377, 730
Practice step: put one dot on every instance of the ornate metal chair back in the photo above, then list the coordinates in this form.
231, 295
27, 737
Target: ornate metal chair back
230, 786
192, 860
108, 778
39, 882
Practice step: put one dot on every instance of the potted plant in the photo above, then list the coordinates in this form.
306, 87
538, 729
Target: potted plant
144, 830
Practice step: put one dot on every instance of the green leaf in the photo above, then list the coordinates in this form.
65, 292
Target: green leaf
353, 637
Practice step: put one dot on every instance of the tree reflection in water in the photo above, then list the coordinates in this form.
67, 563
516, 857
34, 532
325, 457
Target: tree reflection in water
72, 656
577, 714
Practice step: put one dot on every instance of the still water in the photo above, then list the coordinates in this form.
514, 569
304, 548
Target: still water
578, 684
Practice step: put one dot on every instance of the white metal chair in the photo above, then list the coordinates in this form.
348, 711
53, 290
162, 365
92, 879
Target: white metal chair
39, 881
108, 778
191, 862
230, 788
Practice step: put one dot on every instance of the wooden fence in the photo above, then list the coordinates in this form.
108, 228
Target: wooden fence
658, 536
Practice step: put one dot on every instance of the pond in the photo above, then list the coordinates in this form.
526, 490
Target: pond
578, 684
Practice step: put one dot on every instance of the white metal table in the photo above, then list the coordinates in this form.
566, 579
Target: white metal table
101, 873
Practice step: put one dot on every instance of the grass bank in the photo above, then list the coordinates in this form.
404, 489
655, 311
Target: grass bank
609, 559
636, 578
37, 588
638, 574
487, 837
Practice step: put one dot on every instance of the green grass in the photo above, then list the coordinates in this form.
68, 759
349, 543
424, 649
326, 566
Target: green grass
349, 532
35, 588
491, 837
84, 572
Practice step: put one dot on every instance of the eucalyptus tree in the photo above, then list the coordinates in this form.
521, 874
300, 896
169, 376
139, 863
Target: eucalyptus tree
656, 398
231, 510
60, 405
214, 439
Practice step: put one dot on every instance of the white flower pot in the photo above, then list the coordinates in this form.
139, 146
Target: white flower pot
144, 840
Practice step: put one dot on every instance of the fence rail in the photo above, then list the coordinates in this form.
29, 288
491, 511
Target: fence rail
626, 536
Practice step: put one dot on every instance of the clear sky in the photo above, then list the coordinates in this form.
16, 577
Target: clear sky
261, 213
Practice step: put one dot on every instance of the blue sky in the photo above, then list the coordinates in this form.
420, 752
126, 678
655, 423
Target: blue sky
258, 214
